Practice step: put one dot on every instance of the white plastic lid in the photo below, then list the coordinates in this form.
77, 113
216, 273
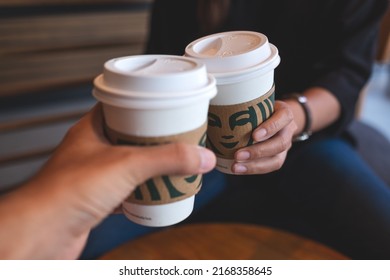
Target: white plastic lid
133, 80
236, 55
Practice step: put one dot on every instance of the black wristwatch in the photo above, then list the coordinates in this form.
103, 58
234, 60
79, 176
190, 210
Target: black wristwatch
302, 100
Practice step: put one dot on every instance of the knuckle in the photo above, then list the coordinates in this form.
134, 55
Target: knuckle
279, 164
72, 132
280, 161
295, 126
255, 169
289, 115
272, 126
184, 155
256, 151
276, 165
284, 144
180, 150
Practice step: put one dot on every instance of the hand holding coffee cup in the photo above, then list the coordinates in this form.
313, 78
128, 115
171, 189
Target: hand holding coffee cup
243, 64
154, 99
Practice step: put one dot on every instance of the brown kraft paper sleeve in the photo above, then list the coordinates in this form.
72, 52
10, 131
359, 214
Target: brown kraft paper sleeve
164, 189
230, 126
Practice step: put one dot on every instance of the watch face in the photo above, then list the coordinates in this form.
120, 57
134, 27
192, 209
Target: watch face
304, 136
302, 99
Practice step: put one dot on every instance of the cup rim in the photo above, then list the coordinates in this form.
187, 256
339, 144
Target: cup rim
247, 73
100, 85
266, 54
124, 99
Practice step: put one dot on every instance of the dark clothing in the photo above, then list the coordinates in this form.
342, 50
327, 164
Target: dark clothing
329, 43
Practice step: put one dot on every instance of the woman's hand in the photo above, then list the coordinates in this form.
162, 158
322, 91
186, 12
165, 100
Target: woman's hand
272, 140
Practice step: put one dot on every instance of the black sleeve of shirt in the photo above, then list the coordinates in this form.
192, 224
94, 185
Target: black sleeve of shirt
354, 57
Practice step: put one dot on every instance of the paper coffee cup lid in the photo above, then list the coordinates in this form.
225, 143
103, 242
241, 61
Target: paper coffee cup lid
235, 55
133, 80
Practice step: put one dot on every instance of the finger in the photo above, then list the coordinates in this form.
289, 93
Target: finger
273, 146
172, 159
281, 117
260, 166
89, 127
169, 159
96, 119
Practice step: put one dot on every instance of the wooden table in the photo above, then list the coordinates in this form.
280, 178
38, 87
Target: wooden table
222, 241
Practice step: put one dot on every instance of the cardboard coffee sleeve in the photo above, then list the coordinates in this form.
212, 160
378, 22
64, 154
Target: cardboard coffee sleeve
164, 189
231, 126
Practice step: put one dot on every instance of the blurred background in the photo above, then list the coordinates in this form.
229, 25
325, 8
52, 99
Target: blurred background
50, 51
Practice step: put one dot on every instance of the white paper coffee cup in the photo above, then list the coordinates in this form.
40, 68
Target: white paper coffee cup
243, 64
154, 99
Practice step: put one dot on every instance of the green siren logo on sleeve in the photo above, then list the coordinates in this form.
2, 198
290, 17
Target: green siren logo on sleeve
164, 189
230, 127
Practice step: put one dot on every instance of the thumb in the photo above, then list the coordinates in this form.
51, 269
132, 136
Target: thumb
172, 159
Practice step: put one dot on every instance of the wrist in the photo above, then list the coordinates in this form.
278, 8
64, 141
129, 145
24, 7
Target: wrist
29, 224
302, 116
21, 224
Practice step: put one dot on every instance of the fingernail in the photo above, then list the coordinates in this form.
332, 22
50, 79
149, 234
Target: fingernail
207, 160
260, 134
239, 168
243, 155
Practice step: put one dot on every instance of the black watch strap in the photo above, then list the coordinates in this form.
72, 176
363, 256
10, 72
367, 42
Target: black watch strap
302, 100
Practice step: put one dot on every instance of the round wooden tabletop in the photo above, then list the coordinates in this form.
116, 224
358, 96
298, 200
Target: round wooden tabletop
222, 242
